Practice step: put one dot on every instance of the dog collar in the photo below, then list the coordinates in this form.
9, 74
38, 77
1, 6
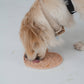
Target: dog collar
70, 6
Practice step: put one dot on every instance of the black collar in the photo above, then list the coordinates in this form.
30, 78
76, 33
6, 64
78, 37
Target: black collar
70, 6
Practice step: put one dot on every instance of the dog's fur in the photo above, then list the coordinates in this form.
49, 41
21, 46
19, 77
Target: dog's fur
42, 21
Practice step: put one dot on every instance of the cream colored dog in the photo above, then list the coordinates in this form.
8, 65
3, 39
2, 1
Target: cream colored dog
44, 20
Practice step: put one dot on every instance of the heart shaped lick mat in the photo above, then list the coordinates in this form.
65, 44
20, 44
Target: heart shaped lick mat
51, 60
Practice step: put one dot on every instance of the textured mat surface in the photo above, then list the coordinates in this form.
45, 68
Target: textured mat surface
50, 61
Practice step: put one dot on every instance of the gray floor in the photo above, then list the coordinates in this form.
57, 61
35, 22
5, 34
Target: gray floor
12, 68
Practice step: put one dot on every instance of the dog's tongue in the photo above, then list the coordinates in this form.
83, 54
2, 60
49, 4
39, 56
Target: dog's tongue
36, 61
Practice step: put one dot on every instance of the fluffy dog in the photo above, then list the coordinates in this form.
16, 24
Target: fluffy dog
44, 20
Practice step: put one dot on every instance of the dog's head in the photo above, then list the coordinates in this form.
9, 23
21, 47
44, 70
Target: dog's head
33, 43
36, 37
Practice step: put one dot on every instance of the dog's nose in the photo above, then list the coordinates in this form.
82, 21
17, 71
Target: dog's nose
37, 58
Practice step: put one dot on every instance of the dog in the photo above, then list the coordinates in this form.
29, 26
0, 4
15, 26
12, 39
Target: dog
44, 21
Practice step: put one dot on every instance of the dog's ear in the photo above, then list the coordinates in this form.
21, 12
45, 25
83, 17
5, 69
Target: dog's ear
29, 38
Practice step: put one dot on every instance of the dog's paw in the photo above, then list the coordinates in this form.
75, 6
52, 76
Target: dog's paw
79, 46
